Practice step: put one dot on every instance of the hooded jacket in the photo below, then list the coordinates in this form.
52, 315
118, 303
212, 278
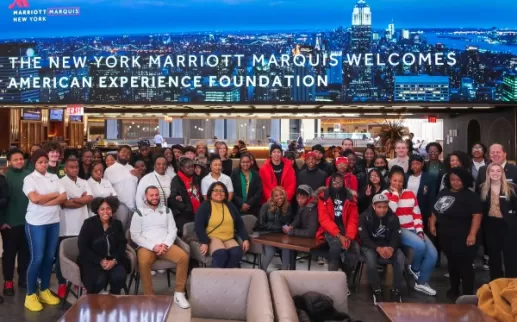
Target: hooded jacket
287, 181
326, 216
305, 223
369, 230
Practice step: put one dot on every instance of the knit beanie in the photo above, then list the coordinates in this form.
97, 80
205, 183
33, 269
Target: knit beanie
275, 146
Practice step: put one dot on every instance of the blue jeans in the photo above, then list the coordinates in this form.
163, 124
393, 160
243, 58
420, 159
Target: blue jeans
269, 254
424, 254
42, 241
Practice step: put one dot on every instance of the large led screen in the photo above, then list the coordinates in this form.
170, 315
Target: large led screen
258, 51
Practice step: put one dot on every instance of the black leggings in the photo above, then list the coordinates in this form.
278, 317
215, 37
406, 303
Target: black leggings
116, 277
461, 271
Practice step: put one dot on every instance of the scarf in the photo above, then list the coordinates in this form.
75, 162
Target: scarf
192, 189
244, 185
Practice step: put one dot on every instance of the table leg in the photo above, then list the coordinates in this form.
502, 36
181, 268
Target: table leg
292, 265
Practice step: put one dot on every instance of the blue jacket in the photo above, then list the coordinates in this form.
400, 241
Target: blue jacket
426, 195
203, 216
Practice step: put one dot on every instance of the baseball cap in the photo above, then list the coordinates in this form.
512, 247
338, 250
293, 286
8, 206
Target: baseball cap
310, 154
379, 198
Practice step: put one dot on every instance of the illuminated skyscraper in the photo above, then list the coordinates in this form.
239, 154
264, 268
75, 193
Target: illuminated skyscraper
510, 88
223, 94
302, 93
361, 43
391, 29
405, 34
421, 88
14, 95
335, 73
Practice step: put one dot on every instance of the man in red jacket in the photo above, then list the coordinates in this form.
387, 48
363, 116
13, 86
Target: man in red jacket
277, 171
339, 220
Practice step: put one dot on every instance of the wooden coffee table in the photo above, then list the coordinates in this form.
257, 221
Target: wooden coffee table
108, 308
410, 312
296, 244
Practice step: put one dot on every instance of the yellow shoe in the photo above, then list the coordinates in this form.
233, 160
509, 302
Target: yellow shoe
32, 303
48, 298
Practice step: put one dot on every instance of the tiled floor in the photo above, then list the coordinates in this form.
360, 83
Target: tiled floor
360, 304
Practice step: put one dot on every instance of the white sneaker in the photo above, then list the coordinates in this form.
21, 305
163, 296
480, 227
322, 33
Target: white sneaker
447, 275
416, 275
181, 300
425, 288
161, 271
153, 273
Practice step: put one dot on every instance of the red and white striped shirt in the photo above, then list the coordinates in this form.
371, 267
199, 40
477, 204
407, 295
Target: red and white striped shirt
406, 208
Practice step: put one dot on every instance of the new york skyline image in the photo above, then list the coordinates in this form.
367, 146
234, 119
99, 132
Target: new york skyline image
404, 37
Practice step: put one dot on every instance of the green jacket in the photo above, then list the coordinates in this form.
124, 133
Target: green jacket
59, 170
18, 201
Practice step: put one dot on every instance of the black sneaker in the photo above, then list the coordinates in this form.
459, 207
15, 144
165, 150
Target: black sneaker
485, 264
8, 288
22, 284
377, 297
453, 294
395, 296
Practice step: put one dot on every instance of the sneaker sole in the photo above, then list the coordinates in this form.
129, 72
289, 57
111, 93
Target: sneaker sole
424, 292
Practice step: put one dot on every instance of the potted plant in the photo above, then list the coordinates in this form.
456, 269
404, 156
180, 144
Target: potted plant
391, 131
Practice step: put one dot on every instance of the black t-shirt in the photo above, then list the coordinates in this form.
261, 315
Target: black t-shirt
338, 214
454, 212
277, 169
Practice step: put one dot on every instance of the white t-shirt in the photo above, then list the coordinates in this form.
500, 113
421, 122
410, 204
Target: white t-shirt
72, 219
163, 183
208, 180
170, 172
101, 189
413, 183
123, 182
39, 215
158, 139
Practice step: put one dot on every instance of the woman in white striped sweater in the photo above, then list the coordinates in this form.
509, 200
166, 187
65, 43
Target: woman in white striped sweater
405, 205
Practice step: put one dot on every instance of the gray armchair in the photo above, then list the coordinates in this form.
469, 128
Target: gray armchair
159, 264
68, 254
286, 284
231, 295
195, 253
255, 249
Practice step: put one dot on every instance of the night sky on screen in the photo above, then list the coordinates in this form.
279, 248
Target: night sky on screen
102, 17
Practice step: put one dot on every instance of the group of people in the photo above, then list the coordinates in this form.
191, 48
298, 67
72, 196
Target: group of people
383, 210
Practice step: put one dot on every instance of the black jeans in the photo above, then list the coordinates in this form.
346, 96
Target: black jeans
373, 258
461, 271
345, 259
15, 243
500, 241
116, 278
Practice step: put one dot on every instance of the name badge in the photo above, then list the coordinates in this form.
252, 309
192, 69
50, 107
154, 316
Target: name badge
509, 180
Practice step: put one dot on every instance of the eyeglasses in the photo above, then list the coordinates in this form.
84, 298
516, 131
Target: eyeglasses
218, 190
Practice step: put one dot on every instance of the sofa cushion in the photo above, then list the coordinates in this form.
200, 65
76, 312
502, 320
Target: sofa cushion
220, 294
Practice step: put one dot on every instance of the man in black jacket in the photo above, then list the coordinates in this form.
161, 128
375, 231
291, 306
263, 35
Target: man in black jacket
497, 154
379, 230
310, 174
305, 223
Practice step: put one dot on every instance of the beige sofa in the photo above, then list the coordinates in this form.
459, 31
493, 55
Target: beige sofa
286, 284
230, 295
